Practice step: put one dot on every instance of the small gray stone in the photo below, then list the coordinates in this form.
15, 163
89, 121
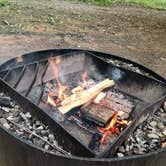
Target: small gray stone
153, 124
160, 125
153, 136
6, 109
44, 132
46, 147
120, 154
138, 140
121, 149
18, 132
2, 120
28, 115
40, 128
139, 151
6, 125
162, 110
23, 116
127, 148
150, 128
155, 140
16, 107
51, 137
37, 123
10, 118
164, 132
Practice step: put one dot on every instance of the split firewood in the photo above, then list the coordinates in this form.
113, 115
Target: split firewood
83, 97
88, 103
95, 100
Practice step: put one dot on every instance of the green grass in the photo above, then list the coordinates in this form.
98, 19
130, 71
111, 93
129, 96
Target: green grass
4, 3
157, 4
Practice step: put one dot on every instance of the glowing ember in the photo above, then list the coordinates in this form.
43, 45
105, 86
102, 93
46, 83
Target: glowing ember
53, 100
99, 97
110, 128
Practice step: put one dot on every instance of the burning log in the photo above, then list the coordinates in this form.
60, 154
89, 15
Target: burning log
110, 127
83, 97
117, 102
98, 113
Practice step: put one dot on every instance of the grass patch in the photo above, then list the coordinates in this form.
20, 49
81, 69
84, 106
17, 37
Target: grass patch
4, 3
157, 4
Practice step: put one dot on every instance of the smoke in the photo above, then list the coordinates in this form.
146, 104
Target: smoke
116, 74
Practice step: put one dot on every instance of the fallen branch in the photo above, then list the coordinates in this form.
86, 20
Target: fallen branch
38, 136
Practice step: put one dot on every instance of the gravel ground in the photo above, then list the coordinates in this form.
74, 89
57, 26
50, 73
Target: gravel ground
148, 137
27, 127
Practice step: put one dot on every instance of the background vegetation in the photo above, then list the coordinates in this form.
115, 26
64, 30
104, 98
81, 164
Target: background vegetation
4, 3
158, 4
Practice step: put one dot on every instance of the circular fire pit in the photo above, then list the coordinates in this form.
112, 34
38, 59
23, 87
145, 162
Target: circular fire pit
16, 151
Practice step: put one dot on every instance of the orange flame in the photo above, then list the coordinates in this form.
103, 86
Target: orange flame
50, 100
110, 127
84, 77
61, 88
54, 62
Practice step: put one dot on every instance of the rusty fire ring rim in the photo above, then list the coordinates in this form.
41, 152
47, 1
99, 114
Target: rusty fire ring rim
92, 159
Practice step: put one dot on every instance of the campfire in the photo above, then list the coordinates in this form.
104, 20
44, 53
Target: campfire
91, 105
104, 110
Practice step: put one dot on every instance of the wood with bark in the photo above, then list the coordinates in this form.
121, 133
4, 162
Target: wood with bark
98, 113
83, 97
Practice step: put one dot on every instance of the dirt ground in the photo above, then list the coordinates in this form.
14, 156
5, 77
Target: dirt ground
128, 31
